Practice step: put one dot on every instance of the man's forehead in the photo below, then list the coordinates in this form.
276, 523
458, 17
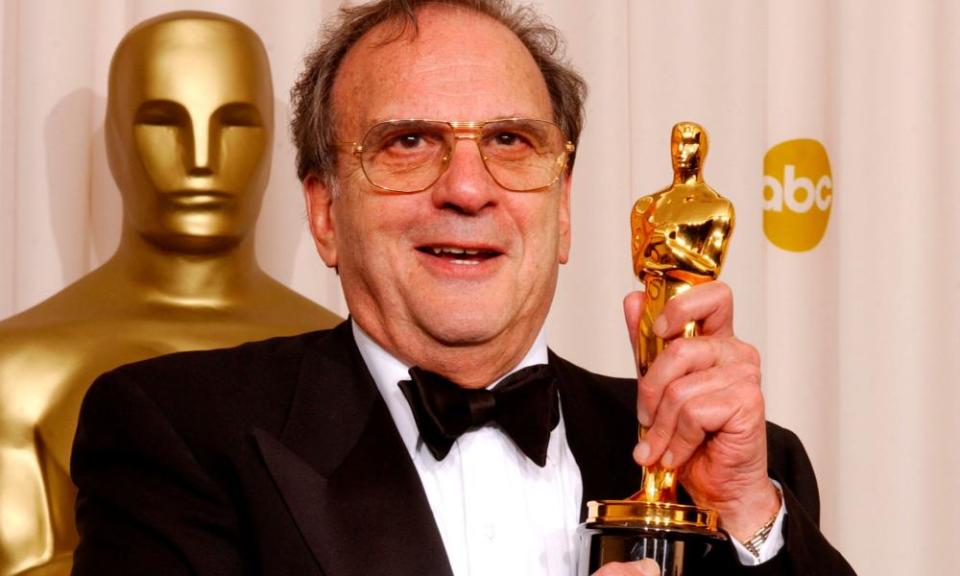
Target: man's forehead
456, 60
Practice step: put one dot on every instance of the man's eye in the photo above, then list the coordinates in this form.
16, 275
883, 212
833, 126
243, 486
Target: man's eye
508, 145
408, 141
509, 139
513, 140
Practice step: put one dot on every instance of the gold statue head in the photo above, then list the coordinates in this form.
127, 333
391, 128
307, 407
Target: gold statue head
189, 128
688, 149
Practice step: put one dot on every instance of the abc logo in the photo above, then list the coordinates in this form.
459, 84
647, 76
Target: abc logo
797, 194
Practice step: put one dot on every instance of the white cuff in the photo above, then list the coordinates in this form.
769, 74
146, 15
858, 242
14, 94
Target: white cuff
772, 545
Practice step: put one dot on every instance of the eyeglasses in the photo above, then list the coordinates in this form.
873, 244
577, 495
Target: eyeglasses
406, 156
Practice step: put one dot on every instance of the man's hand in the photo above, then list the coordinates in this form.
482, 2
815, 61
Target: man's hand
645, 567
702, 405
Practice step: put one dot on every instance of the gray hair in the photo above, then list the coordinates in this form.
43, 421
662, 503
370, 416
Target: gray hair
312, 126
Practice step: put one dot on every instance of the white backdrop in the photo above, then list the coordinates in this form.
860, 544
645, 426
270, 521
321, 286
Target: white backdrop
860, 335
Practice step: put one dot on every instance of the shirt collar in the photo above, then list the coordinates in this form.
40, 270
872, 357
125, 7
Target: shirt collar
388, 371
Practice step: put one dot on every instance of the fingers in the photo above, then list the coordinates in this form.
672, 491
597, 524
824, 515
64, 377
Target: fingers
689, 356
645, 567
680, 358
710, 303
697, 387
705, 403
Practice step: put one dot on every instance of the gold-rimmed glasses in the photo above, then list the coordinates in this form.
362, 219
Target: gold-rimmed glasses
406, 156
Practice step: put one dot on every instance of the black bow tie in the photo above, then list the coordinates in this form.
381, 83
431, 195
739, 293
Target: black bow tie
524, 404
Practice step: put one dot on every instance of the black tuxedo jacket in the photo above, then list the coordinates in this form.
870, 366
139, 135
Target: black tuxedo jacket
280, 457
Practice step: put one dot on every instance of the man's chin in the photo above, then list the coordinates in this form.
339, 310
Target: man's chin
462, 335
476, 318
466, 325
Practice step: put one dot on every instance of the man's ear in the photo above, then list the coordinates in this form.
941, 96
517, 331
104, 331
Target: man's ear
320, 215
563, 221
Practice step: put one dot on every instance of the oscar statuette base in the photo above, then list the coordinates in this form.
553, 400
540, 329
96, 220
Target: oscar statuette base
677, 536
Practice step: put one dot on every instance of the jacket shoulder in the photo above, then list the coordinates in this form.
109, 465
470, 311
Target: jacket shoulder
213, 396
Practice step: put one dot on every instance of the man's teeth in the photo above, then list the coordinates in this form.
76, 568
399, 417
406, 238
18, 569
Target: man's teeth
454, 251
460, 255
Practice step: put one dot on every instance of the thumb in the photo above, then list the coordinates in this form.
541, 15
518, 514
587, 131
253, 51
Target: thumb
648, 567
645, 567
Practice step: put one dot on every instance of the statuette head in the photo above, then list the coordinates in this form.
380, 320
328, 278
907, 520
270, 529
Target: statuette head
688, 149
189, 128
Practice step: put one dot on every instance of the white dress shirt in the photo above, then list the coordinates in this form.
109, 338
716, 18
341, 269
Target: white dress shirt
497, 511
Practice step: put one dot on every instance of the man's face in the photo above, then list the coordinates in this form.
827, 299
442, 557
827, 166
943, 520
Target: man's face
414, 301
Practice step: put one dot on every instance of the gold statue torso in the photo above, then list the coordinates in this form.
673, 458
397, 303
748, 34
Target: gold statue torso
189, 126
679, 240
50, 354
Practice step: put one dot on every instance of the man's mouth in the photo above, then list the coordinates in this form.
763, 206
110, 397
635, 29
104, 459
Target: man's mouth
458, 255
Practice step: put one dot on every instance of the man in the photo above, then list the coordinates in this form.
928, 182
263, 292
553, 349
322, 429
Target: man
304, 456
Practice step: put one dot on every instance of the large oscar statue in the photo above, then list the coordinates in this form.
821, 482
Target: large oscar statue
679, 237
189, 127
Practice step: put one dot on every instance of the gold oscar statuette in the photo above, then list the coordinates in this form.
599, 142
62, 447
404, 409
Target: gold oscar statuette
188, 134
679, 239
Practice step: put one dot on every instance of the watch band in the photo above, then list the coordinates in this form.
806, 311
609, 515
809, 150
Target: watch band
760, 536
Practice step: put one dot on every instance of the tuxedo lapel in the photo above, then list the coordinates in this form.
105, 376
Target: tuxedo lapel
345, 474
599, 417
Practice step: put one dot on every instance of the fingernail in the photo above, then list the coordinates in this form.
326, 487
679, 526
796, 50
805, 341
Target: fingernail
660, 326
667, 459
641, 451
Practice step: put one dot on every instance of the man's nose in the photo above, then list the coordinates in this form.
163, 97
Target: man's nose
466, 186
202, 130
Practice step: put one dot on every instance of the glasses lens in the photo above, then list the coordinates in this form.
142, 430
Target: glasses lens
405, 155
523, 155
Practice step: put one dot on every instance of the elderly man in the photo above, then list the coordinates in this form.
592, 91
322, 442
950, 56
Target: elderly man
433, 433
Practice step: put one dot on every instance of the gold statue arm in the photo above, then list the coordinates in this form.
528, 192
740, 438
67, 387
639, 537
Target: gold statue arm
688, 258
678, 255
652, 257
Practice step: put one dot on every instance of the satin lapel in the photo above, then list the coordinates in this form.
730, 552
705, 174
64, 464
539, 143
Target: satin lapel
345, 474
599, 416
